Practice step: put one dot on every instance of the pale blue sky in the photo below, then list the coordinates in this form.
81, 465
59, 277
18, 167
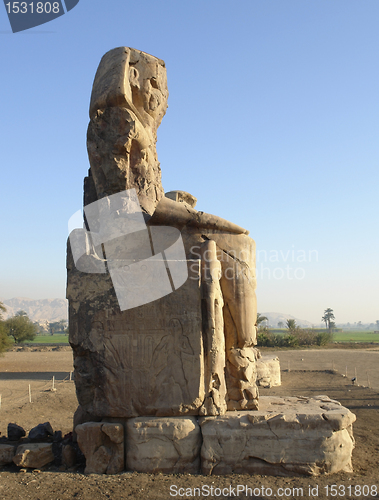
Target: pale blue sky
273, 123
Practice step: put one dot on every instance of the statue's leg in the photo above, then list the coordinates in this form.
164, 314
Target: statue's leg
238, 288
213, 331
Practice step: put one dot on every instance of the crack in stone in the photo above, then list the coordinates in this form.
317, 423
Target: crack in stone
269, 426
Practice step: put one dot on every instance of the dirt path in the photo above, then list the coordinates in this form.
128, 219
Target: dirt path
34, 371
58, 407
39, 361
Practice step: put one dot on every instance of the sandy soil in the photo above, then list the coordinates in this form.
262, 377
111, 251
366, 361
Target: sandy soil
360, 363
58, 407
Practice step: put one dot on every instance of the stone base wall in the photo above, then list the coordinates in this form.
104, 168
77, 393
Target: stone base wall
285, 436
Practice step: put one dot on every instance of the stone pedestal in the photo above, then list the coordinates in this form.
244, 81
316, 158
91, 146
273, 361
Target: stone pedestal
103, 446
168, 445
285, 436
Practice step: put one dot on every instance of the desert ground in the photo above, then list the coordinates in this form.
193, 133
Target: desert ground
304, 372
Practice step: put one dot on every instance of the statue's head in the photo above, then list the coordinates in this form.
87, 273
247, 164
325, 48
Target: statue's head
128, 101
132, 79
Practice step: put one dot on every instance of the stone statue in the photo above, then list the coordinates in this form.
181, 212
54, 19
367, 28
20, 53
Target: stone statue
162, 314
190, 351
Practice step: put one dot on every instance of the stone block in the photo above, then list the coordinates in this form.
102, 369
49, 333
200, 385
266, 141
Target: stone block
34, 455
268, 371
6, 454
285, 436
170, 445
102, 444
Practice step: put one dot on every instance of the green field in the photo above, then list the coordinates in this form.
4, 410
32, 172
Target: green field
347, 336
356, 336
50, 339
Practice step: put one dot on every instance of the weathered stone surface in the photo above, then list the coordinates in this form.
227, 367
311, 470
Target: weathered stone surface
182, 197
15, 432
268, 371
168, 445
286, 435
103, 446
34, 455
7, 452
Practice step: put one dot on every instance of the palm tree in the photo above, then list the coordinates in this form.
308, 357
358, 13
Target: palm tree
291, 325
328, 318
21, 313
260, 320
2, 309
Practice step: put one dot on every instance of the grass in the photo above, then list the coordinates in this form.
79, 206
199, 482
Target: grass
50, 339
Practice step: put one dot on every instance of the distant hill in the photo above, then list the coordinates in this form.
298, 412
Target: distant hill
55, 309
274, 318
38, 310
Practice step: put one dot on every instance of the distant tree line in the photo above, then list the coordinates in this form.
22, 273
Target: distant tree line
293, 337
16, 329
52, 328
19, 328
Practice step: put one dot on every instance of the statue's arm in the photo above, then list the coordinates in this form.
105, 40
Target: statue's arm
178, 214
